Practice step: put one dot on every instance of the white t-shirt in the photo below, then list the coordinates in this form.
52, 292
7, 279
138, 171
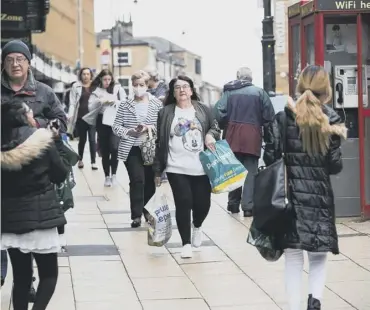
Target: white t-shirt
186, 142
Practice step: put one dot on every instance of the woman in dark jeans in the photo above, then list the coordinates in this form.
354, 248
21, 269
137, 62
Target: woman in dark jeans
105, 93
185, 127
135, 118
78, 108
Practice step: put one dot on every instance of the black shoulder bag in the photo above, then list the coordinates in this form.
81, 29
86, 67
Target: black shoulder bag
271, 193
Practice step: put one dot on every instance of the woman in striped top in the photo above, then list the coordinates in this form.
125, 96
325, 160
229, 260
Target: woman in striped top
135, 118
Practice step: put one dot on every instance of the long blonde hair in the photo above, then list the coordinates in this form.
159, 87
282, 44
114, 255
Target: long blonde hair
315, 91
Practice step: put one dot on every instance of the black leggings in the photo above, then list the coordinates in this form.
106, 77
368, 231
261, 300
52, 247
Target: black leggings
109, 151
84, 130
47, 265
191, 193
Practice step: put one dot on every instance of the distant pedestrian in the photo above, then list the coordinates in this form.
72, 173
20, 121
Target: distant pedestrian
156, 86
312, 155
78, 108
243, 111
105, 92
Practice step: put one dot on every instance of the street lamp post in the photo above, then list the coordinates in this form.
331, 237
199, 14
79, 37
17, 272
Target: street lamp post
268, 50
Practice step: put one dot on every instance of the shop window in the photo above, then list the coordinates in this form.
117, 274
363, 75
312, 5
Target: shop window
296, 52
122, 58
310, 44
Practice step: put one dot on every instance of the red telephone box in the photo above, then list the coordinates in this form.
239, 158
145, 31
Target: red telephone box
336, 34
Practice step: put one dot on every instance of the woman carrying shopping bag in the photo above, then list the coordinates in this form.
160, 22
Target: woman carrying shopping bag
135, 124
185, 128
103, 105
312, 154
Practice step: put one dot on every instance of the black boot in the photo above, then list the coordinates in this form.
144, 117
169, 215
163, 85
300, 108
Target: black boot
313, 303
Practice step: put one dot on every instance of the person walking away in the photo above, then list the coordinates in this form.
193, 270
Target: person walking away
158, 88
30, 212
18, 83
105, 93
185, 127
78, 108
244, 109
313, 140
135, 118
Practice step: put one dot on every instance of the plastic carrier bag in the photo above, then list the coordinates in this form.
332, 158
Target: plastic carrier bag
223, 169
159, 221
265, 244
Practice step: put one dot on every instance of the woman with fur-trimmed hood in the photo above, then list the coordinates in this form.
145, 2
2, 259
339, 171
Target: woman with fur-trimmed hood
30, 213
313, 140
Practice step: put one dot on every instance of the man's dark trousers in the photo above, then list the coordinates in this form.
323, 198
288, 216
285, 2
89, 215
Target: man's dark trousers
244, 195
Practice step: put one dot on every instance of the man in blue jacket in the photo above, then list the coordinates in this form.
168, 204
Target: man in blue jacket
243, 111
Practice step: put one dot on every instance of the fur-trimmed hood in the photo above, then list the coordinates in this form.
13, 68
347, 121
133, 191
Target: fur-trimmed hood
336, 126
33, 147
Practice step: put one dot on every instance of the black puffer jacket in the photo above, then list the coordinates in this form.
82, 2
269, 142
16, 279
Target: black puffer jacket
310, 190
30, 163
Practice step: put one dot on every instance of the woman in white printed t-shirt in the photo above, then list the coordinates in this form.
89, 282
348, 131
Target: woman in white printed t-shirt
185, 128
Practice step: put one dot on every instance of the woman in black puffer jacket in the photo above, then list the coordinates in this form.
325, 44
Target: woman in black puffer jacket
30, 212
313, 153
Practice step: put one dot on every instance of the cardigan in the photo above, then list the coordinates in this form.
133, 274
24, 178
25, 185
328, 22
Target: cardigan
126, 119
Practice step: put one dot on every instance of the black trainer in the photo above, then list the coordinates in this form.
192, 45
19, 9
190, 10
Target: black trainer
313, 303
136, 223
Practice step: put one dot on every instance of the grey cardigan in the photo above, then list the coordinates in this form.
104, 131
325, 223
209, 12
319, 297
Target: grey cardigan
95, 102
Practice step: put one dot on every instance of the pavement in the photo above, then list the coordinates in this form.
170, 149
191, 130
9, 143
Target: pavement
108, 265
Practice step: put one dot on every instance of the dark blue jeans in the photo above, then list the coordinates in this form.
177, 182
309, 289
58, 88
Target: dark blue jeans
4, 266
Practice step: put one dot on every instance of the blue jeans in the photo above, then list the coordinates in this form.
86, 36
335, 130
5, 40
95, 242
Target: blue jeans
4, 266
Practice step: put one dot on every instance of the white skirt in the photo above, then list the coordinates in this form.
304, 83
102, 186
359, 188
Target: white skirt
41, 241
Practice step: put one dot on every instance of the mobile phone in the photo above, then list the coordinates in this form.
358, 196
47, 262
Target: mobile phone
139, 128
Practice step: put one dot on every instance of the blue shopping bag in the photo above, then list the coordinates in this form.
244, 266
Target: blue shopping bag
225, 172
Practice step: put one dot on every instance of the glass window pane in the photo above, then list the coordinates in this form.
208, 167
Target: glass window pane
310, 44
296, 51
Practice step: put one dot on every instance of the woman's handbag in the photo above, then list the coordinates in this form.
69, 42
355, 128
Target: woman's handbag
148, 148
270, 197
64, 192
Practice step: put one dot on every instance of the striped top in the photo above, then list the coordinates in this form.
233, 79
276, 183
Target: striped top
127, 118
141, 109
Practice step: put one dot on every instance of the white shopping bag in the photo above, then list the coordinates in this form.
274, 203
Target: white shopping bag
109, 115
160, 223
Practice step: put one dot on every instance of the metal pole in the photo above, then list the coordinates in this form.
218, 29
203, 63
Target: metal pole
80, 32
268, 50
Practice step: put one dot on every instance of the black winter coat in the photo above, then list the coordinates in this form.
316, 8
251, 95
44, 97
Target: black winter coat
29, 166
311, 195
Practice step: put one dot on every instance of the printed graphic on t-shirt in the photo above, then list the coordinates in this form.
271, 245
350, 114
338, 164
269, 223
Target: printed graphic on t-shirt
190, 132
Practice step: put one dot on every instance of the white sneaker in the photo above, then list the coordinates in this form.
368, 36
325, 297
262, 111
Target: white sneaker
108, 182
114, 180
197, 237
187, 251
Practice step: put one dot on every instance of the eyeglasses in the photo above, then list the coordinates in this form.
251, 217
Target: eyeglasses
184, 87
19, 60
